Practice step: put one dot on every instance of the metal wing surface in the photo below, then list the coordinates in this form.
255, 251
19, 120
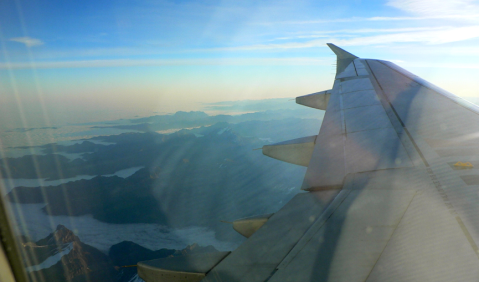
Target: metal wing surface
391, 189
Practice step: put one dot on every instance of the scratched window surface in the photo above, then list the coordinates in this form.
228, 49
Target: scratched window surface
132, 131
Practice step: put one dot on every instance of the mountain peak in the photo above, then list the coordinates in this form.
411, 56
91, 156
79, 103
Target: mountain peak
61, 235
63, 257
190, 115
64, 235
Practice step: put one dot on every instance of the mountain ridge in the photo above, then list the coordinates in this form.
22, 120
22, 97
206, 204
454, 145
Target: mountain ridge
61, 256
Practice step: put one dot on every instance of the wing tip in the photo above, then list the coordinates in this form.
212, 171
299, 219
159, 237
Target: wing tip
344, 58
341, 53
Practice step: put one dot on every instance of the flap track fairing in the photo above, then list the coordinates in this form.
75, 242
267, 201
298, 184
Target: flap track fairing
317, 100
296, 151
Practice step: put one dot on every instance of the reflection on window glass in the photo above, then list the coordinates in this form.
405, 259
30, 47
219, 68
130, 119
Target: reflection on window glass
130, 130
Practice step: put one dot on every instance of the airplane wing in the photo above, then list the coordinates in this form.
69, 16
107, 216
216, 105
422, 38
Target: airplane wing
391, 190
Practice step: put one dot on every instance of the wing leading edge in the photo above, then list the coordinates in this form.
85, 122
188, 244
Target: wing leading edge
383, 200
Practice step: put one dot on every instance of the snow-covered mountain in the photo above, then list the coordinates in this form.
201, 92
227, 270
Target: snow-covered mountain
61, 256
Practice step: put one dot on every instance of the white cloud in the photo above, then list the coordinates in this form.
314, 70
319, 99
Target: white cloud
428, 37
467, 10
28, 41
437, 8
471, 17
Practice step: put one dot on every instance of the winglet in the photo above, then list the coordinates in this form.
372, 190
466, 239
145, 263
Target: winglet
344, 58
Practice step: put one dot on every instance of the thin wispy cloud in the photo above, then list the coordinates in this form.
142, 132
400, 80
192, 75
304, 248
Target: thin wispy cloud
166, 62
472, 15
444, 35
327, 33
425, 37
28, 41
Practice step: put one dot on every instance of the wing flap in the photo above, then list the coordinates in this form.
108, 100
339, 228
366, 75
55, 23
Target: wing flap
375, 149
360, 98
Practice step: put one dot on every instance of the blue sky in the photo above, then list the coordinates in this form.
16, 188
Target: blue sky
76, 60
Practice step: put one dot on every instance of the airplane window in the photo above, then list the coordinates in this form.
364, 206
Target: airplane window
137, 131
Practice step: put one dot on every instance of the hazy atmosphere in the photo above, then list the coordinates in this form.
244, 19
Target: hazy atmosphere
92, 60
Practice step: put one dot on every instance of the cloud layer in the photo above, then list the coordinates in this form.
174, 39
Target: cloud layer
166, 62
28, 41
